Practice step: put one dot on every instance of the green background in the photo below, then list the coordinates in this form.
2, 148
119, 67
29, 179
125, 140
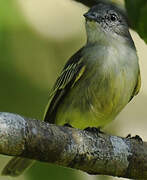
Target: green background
24, 54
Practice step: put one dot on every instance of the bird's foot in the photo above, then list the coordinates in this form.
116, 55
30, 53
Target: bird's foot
137, 138
128, 136
93, 130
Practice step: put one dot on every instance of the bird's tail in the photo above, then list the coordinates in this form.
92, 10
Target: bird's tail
16, 166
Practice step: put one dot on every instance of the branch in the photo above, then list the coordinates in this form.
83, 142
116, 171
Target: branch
94, 153
90, 3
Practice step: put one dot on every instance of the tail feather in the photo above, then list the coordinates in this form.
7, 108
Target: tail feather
16, 166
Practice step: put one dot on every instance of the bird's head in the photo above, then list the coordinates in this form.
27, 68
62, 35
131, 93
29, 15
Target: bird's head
106, 20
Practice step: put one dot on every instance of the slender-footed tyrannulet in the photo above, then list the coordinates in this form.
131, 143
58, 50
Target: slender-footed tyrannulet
97, 81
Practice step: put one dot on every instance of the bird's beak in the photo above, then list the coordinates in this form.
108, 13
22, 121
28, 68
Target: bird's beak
90, 16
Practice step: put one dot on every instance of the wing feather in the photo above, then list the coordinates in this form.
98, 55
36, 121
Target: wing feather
137, 87
71, 73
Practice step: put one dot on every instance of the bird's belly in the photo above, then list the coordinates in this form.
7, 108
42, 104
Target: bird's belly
96, 101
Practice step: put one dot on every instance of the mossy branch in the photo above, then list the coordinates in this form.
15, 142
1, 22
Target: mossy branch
94, 153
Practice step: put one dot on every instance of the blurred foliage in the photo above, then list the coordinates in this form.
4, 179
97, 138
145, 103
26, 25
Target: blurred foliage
137, 12
45, 171
28, 66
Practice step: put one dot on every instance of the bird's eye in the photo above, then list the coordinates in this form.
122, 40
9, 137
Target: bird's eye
113, 17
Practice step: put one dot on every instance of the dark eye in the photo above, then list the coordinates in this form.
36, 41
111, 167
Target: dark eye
113, 17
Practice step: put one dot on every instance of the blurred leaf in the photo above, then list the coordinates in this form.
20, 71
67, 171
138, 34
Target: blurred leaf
51, 172
9, 14
137, 12
24, 57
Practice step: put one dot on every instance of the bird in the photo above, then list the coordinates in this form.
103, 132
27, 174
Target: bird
98, 81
